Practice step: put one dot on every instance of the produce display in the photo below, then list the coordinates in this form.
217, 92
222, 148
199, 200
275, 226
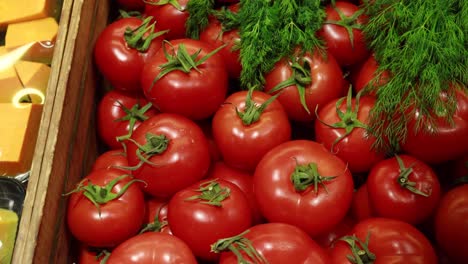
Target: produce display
293, 131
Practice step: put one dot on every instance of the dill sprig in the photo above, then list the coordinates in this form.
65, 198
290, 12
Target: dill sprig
424, 46
199, 11
271, 30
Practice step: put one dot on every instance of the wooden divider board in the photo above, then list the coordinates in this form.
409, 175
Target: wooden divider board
66, 145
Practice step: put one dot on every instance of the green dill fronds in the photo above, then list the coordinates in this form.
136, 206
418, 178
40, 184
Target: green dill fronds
423, 45
199, 11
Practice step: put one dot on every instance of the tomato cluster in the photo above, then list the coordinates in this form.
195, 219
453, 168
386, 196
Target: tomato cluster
199, 170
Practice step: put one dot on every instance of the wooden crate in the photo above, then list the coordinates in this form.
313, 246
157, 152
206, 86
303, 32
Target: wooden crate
66, 144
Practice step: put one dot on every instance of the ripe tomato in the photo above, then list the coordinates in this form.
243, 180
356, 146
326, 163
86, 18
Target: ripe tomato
388, 241
156, 216
327, 240
115, 214
451, 224
170, 153
151, 248
274, 243
120, 53
244, 131
368, 75
312, 81
342, 33
169, 15
301, 183
119, 114
217, 35
214, 209
444, 141
112, 159
193, 92
341, 126
360, 206
403, 188
241, 179
88, 256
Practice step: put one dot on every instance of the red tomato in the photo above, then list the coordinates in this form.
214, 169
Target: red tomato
277, 243
156, 216
293, 184
451, 224
368, 75
112, 159
131, 4
405, 189
119, 114
442, 142
176, 153
88, 256
241, 179
341, 126
348, 49
193, 92
120, 57
152, 248
244, 133
207, 211
120, 212
171, 15
360, 206
389, 241
321, 81
216, 35
343, 228
214, 150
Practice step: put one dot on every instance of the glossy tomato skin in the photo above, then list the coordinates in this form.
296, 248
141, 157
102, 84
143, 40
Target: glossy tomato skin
360, 207
278, 199
242, 179
185, 161
152, 248
327, 84
356, 148
451, 224
158, 207
242, 146
337, 38
208, 223
197, 94
281, 243
443, 143
392, 241
111, 109
119, 219
214, 35
389, 199
168, 17
119, 63
368, 75
112, 159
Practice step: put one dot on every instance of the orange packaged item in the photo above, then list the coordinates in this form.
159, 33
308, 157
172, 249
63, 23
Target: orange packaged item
10, 84
14, 11
18, 133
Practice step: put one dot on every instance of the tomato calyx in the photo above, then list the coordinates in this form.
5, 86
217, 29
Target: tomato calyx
156, 225
100, 195
359, 249
252, 112
403, 178
103, 256
306, 175
238, 244
174, 3
127, 14
300, 78
181, 60
155, 145
211, 193
349, 119
349, 23
136, 38
134, 114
